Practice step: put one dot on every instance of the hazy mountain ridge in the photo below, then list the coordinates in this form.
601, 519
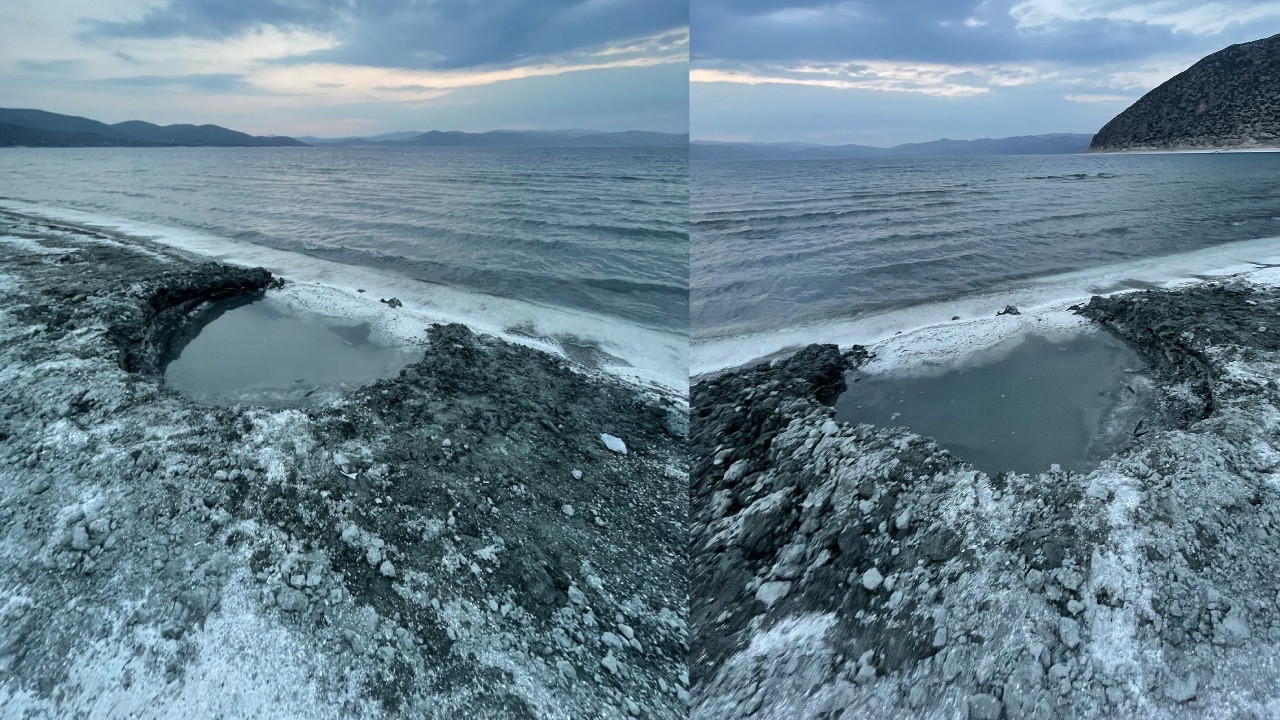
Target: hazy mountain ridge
1229, 99
38, 128
1050, 144
514, 138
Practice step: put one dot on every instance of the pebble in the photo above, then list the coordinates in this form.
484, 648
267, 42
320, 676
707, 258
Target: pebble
577, 474
567, 510
610, 663
387, 569
566, 670
447, 443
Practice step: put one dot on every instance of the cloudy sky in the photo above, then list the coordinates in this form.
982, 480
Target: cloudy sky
882, 72
340, 67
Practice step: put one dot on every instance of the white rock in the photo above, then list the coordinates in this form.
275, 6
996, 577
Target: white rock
447, 443
577, 474
567, 510
771, 592
386, 568
830, 427
903, 519
613, 443
871, 579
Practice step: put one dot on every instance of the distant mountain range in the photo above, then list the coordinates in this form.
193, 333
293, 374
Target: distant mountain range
1054, 144
513, 138
1228, 99
37, 128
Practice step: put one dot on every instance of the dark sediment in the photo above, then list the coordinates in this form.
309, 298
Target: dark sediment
848, 572
420, 548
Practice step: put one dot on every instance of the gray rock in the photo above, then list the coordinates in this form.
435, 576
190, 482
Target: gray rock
1069, 631
984, 707
771, 592
291, 600
1233, 631
1181, 691
387, 569
80, 537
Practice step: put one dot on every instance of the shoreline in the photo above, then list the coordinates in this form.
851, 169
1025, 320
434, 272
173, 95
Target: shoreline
455, 540
644, 356
1043, 301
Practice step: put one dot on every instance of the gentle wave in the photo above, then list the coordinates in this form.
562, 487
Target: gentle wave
578, 228
775, 245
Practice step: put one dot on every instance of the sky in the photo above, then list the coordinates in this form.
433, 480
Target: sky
884, 72
352, 67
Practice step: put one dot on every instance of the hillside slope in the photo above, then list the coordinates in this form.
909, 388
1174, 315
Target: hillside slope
1230, 99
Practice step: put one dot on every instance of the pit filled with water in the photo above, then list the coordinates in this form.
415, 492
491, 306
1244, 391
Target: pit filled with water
267, 352
1023, 407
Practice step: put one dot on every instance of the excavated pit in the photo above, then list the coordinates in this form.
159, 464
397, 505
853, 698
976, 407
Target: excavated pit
1021, 407
262, 351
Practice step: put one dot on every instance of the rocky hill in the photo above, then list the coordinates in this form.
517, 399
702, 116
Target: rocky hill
1230, 99
38, 128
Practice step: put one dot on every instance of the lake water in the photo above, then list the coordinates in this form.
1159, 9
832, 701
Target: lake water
781, 244
599, 230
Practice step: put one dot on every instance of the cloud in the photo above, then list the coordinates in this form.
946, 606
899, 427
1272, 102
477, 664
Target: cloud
444, 34
350, 83
935, 79
51, 66
216, 82
1079, 32
1181, 16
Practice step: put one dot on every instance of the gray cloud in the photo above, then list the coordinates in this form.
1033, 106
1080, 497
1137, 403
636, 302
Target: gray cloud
212, 82
53, 66
447, 34
972, 31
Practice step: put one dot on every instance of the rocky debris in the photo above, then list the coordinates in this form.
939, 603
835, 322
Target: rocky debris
1145, 588
1226, 99
338, 560
392, 303
1009, 310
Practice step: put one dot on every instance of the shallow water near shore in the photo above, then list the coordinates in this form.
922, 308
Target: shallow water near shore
265, 352
1022, 407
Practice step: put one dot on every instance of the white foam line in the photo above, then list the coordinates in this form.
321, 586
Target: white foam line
654, 358
927, 334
